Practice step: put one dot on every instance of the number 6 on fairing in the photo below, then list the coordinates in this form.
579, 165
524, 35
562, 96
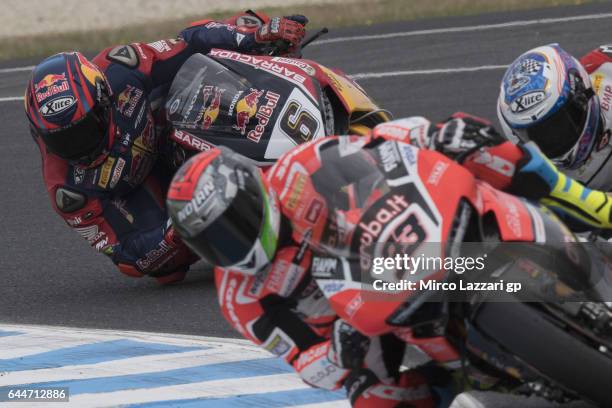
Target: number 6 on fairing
298, 123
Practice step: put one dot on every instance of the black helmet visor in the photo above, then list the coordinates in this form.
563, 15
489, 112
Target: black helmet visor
230, 238
82, 140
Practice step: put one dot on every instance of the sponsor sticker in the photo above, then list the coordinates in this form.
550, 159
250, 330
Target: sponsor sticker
264, 113
263, 63
278, 346
128, 99
50, 85
211, 104
230, 111
155, 256
314, 211
297, 186
606, 98
436, 174
78, 175
323, 267
192, 141
105, 172
117, 171
202, 196
374, 222
246, 108
597, 79
57, 105
76, 221
160, 46
96, 238
174, 106
527, 101
389, 156
353, 305
296, 63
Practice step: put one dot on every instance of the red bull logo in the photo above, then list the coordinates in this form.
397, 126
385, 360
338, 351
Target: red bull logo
211, 109
264, 114
128, 99
246, 108
50, 85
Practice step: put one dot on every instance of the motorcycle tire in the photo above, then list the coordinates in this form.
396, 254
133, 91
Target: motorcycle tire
558, 355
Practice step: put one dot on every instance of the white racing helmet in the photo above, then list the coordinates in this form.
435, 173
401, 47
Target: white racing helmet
546, 97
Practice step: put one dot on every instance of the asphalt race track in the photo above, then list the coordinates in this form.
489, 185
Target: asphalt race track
49, 275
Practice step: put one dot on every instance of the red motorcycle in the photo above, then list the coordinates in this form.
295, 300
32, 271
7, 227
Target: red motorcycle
529, 310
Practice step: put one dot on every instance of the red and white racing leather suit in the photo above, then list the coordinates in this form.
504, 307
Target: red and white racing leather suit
282, 309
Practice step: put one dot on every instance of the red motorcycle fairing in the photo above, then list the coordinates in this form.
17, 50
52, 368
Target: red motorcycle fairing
415, 200
517, 220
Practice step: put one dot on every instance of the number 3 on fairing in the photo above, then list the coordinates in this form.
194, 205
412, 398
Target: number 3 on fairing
298, 123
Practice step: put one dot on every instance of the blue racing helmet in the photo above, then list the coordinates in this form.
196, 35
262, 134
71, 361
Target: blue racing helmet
546, 97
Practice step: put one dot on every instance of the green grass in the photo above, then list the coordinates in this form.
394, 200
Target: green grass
341, 15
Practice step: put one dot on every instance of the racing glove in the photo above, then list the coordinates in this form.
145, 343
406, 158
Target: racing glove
167, 263
537, 178
463, 134
289, 29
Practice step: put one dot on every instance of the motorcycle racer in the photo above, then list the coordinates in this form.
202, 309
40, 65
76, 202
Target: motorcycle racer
563, 105
253, 228
265, 289
106, 160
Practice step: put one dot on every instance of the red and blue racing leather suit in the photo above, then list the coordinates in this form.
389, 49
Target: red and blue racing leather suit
117, 202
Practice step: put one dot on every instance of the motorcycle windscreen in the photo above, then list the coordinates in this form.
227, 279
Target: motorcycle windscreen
234, 105
362, 203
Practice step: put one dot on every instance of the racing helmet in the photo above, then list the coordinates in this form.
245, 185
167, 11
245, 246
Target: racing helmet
67, 102
546, 97
225, 211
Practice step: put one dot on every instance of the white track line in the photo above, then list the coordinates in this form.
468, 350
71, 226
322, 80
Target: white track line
16, 69
35, 339
510, 24
131, 366
209, 389
171, 338
372, 75
11, 98
18, 346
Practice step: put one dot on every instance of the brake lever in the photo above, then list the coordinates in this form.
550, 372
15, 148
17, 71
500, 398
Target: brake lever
313, 37
282, 46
